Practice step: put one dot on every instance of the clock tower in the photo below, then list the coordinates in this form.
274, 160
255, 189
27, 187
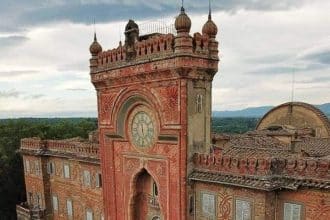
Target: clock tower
154, 112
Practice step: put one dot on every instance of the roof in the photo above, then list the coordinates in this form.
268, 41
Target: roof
315, 147
264, 161
268, 183
312, 108
261, 144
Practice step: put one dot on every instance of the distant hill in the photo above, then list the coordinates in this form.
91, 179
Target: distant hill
258, 112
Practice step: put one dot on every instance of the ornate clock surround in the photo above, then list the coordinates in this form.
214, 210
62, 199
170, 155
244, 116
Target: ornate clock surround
142, 117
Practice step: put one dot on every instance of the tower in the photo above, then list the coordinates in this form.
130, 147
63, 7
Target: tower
154, 111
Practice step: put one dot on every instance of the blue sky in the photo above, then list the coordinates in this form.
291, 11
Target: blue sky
44, 44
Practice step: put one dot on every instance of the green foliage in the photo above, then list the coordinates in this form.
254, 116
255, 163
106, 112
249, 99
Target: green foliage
12, 188
233, 125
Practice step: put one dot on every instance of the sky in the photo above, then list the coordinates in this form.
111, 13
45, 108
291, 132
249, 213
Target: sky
264, 45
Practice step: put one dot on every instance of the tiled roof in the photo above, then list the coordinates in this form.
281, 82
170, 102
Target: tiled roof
255, 141
254, 144
267, 183
315, 147
248, 152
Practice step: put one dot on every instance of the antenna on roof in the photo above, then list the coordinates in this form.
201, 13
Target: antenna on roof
182, 3
293, 84
292, 96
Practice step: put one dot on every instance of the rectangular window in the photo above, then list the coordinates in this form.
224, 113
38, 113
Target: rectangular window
208, 205
243, 210
292, 211
38, 200
37, 167
66, 170
51, 168
87, 178
55, 203
27, 166
69, 208
89, 214
30, 198
98, 180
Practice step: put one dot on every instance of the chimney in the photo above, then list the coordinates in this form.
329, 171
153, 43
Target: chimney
294, 142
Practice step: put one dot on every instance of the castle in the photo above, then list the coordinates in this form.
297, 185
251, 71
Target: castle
154, 156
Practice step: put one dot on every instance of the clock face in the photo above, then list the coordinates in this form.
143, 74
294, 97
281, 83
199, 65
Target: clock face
143, 130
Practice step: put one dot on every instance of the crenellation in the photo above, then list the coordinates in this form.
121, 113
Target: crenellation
291, 167
32, 143
87, 149
158, 46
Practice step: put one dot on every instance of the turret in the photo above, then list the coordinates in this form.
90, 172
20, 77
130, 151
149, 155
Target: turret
94, 49
210, 30
131, 37
183, 41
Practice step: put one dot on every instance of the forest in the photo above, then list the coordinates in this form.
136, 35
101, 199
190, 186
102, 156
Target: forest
12, 189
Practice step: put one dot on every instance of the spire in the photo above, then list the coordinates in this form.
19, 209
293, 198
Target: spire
210, 10
95, 47
95, 39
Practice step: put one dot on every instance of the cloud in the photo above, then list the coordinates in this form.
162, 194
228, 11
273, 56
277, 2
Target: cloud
269, 59
9, 41
15, 73
54, 59
21, 14
36, 96
9, 94
77, 89
322, 56
322, 79
280, 69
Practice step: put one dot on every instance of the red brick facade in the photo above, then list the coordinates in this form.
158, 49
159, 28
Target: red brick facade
44, 184
156, 153
156, 81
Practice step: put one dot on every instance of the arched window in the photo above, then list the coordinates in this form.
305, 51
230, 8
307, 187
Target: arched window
154, 189
156, 218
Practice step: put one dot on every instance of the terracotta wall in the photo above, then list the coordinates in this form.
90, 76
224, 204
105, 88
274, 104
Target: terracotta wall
82, 197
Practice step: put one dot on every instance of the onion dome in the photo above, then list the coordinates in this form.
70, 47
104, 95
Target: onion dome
182, 22
210, 28
95, 47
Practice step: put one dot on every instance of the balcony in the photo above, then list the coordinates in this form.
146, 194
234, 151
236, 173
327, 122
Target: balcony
153, 201
26, 212
23, 211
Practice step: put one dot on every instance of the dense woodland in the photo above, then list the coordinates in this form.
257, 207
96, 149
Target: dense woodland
12, 189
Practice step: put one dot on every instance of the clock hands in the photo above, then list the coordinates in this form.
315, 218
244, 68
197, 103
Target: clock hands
142, 129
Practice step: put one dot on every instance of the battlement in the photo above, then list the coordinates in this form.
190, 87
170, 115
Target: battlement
72, 146
313, 168
153, 47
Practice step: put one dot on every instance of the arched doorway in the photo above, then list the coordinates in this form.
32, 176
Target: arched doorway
145, 203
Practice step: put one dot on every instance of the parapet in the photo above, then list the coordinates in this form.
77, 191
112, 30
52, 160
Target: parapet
298, 168
69, 147
152, 47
